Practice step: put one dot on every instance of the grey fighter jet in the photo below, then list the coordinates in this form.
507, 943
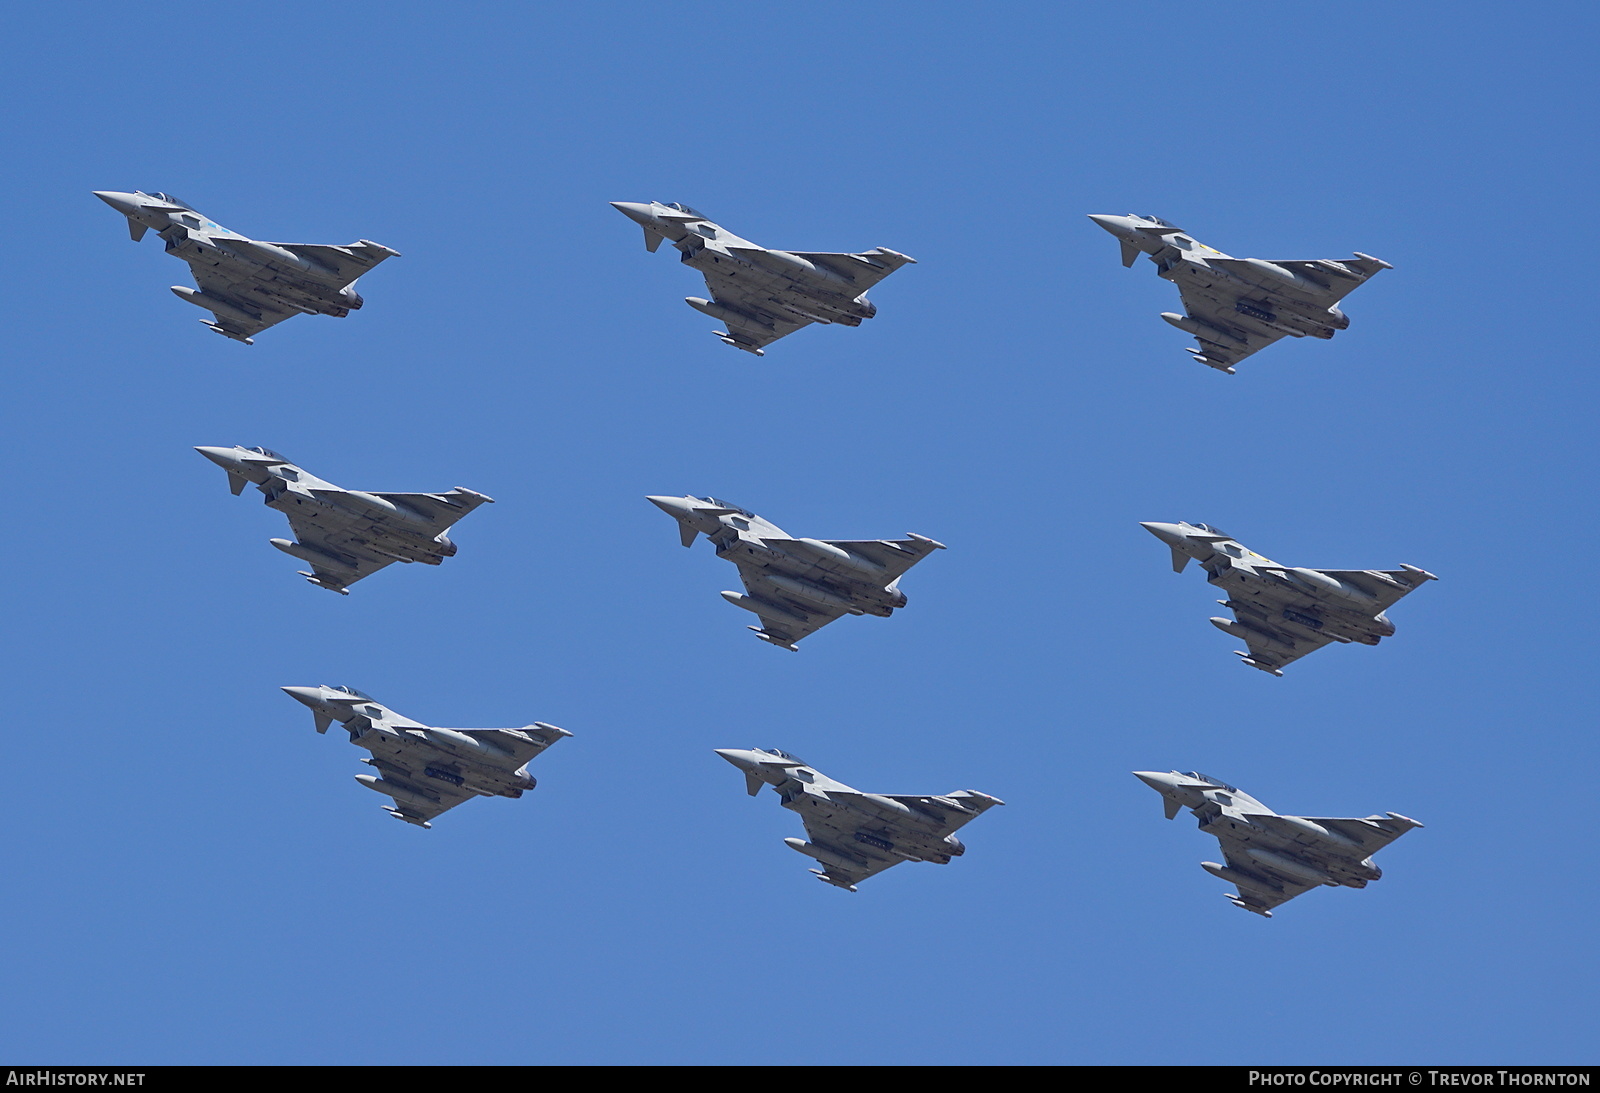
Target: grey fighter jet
427, 770
1282, 612
855, 835
764, 294
1237, 306
249, 285
798, 586
1272, 858
346, 534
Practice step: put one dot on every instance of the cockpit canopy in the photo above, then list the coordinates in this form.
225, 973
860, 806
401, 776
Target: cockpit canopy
685, 209
270, 454
1208, 780
785, 755
363, 695
170, 199
721, 504
1210, 530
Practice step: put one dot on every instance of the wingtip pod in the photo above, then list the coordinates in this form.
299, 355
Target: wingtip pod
1407, 820
728, 339
770, 640
386, 252
397, 814
1201, 358
545, 726
885, 252
217, 328
934, 543
312, 578
1246, 658
825, 879
1379, 262
1242, 905
1420, 574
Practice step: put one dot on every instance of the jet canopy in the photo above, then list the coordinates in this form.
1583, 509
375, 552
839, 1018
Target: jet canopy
721, 504
171, 200
686, 209
270, 454
1210, 530
1210, 781
356, 694
785, 755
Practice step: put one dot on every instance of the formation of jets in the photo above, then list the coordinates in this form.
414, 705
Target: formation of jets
797, 585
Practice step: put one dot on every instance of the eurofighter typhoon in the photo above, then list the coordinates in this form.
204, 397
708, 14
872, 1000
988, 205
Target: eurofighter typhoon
1282, 612
346, 534
249, 285
855, 835
1237, 306
1272, 858
762, 294
797, 586
427, 770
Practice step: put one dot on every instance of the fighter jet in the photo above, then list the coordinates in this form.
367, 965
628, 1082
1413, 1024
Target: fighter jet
426, 770
764, 294
798, 586
1272, 858
1282, 612
1237, 306
855, 835
346, 534
249, 285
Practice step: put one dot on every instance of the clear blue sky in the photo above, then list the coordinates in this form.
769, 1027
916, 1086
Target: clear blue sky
192, 876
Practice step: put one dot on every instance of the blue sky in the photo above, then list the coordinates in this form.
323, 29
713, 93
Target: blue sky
192, 876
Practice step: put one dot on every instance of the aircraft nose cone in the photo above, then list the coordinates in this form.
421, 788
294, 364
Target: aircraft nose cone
311, 696
676, 507
1116, 225
1167, 533
737, 756
1156, 780
222, 457
126, 204
634, 211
